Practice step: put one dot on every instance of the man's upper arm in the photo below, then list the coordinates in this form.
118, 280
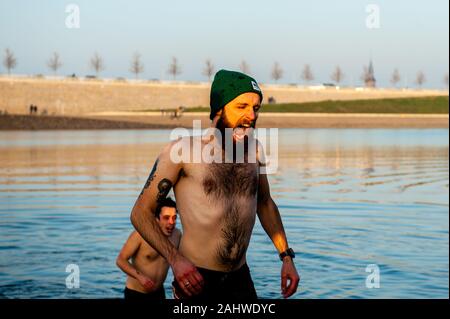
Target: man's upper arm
263, 190
263, 184
131, 246
162, 178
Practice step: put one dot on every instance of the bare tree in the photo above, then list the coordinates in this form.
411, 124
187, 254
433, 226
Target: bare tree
337, 75
395, 78
9, 61
244, 67
54, 63
446, 79
277, 72
136, 66
209, 69
420, 78
174, 68
97, 64
307, 75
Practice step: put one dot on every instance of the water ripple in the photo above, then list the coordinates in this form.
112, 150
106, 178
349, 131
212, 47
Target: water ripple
65, 197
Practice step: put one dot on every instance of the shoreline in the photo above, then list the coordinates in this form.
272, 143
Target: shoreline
138, 120
78, 97
280, 114
13, 122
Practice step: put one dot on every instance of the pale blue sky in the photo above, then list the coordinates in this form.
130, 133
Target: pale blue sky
413, 36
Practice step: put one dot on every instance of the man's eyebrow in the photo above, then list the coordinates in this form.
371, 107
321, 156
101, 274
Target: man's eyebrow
246, 104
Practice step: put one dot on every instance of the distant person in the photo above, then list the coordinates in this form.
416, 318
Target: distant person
271, 100
147, 270
33, 109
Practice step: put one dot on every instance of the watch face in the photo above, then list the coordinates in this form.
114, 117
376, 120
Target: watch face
291, 253
288, 252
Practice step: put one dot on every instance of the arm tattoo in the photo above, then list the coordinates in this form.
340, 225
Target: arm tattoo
150, 177
164, 187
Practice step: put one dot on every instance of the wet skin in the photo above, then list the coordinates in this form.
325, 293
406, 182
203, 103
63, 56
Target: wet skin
146, 269
218, 204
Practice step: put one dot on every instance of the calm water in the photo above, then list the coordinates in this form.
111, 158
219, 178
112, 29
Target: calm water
348, 198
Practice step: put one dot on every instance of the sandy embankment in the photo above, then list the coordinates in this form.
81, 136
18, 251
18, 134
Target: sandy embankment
278, 120
114, 104
80, 97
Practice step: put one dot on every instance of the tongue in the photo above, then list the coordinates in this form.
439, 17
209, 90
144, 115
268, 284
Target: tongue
240, 132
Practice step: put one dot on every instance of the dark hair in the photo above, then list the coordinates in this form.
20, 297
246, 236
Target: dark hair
166, 202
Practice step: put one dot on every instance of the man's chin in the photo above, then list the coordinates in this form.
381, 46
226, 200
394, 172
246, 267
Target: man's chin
240, 135
237, 139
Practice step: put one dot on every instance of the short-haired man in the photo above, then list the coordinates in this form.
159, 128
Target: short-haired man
147, 270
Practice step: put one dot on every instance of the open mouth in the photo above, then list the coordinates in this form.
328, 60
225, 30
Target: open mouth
241, 131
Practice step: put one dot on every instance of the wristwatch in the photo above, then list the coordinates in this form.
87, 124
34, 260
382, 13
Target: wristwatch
288, 252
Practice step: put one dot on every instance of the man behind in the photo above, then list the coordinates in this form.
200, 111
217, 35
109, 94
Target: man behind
217, 203
148, 269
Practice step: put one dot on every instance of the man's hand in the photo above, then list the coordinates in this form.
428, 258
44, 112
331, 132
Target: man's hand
289, 273
187, 276
146, 282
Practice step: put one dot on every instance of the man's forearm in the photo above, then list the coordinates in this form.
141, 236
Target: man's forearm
146, 225
127, 268
270, 219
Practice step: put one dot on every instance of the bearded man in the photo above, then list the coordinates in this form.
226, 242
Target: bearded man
217, 202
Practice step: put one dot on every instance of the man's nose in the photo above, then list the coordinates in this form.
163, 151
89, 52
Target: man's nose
251, 115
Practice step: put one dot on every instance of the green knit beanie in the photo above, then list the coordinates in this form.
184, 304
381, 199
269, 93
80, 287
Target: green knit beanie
228, 85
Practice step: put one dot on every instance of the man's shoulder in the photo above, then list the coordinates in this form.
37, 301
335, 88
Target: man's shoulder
189, 140
172, 151
135, 239
134, 235
175, 145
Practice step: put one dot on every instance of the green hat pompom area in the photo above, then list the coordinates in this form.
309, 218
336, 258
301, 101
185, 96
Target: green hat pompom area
228, 85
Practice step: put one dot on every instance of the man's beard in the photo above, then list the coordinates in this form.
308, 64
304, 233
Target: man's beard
240, 133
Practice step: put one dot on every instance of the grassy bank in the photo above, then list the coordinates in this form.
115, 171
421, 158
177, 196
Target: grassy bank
420, 105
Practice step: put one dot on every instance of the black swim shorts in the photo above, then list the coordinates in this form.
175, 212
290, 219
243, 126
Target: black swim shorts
234, 285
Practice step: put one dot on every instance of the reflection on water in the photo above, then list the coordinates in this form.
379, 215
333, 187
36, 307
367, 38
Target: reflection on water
348, 198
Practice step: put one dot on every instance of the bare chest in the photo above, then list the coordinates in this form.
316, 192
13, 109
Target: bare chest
229, 180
